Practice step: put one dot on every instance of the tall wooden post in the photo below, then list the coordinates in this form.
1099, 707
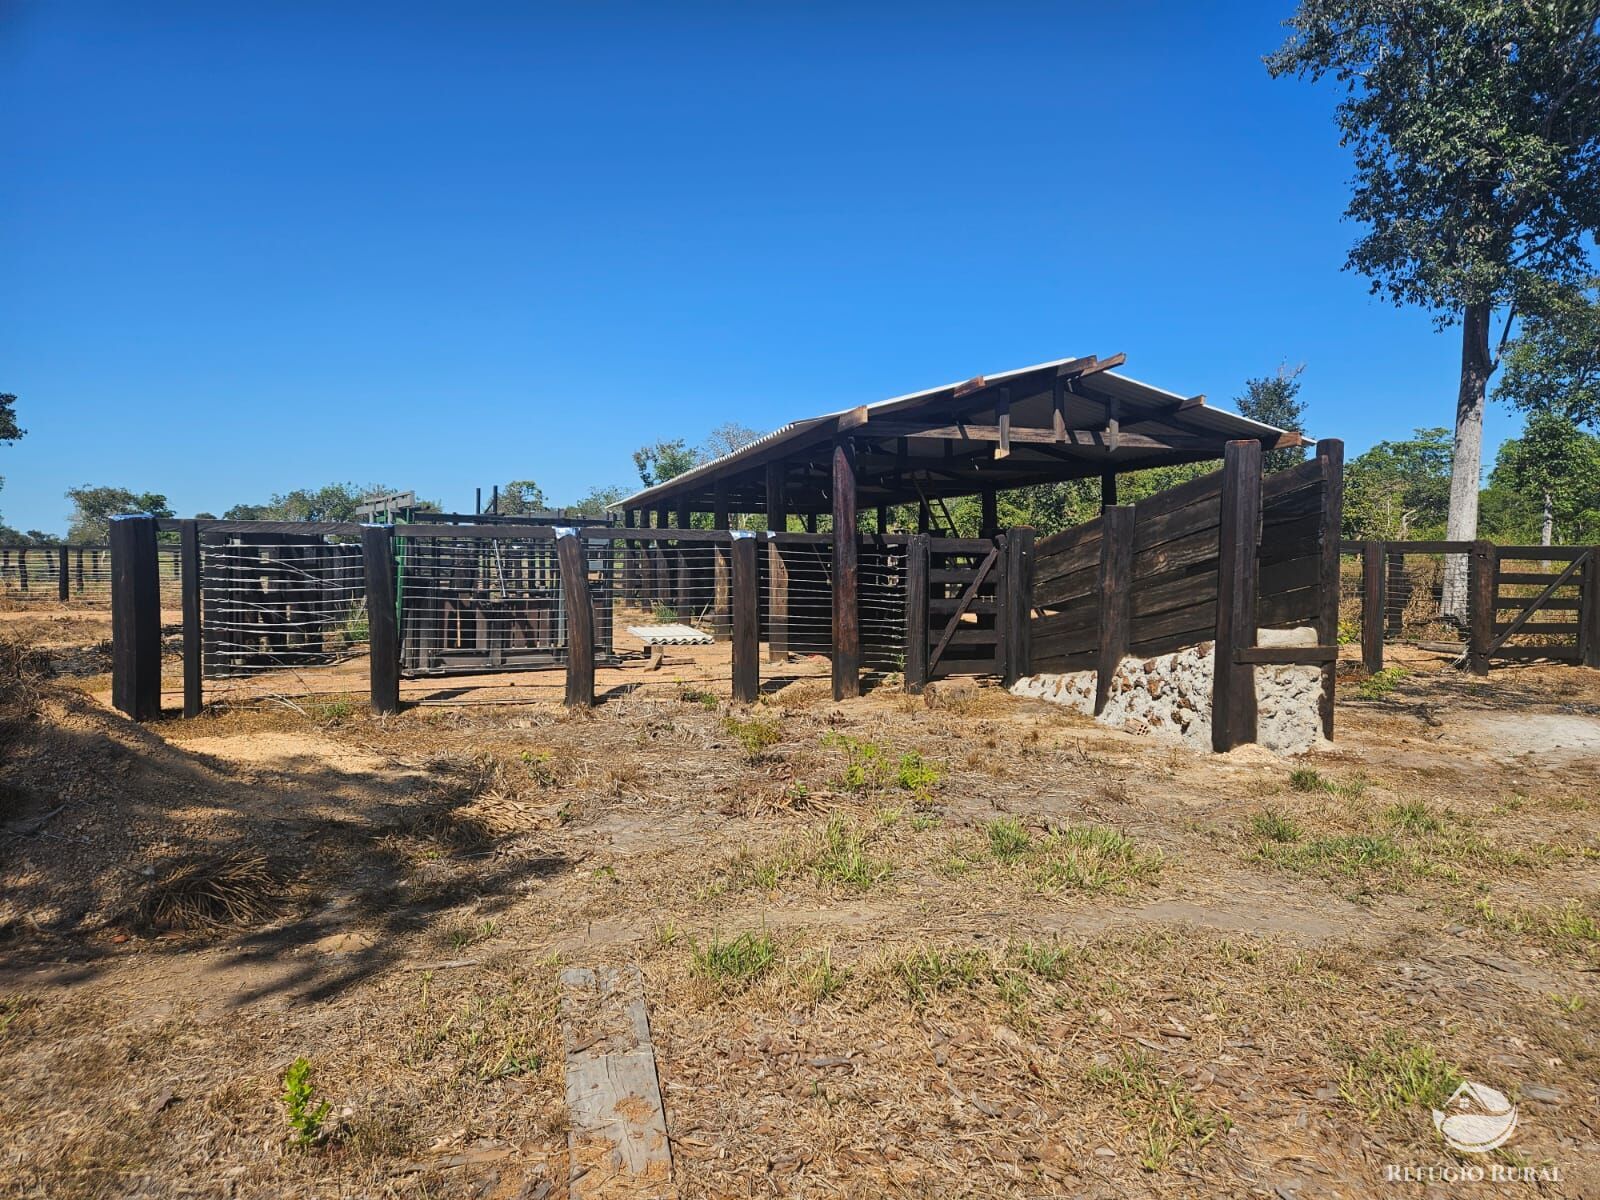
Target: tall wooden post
193, 639
383, 624
1116, 598
135, 618
63, 579
1016, 605
1330, 451
1483, 564
722, 584
746, 618
1589, 611
846, 576
580, 619
991, 513
630, 561
1233, 687
917, 560
1108, 489
777, 569
1373, 603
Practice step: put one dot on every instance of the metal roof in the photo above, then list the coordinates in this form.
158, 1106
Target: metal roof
1092, 392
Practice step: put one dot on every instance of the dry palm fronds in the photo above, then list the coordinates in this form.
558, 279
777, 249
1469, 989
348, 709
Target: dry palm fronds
208, 892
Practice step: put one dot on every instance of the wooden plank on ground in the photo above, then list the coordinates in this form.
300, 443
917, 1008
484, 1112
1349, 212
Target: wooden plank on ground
617, 1134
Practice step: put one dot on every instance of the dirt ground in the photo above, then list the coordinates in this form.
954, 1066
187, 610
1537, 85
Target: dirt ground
966, 946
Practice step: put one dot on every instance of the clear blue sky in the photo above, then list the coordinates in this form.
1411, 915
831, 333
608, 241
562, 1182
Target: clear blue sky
253, 246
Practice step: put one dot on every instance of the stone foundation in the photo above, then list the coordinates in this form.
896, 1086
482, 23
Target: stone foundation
1169, 696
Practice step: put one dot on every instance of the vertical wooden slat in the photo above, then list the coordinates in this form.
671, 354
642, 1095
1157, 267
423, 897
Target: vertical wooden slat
1330, 452
746, 618
1483, 565
193, 638
78, 568
777, 570
580, 620
1589, 611
991, 513
383, 630
1116, 597
722, 583
846, 576
917, 557
1019, 605
63, 580
1233, 688
1108, 489
1373, 603
135, 618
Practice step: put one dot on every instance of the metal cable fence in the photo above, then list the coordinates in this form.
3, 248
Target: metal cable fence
281, 615
1424, 596
34, 574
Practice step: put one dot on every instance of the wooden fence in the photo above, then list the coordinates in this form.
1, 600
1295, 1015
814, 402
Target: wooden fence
1214, 560
1521, 602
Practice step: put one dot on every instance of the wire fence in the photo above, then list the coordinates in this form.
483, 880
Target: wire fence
33, 574
276, 608
1425, 597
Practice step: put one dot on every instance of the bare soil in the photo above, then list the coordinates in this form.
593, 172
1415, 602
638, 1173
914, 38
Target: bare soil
974, 947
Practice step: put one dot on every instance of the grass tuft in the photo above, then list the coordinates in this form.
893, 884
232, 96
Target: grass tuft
1396, 1074
734, 963
1273, 826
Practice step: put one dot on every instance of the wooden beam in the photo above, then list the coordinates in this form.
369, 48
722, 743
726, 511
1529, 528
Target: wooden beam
193, 638
1483, 565
990, 519
917, 556
746, 619
1373, 585
1233, 687
1589, 611
846, 576
574, 568
1116, 598
1002, 410
135, 618
1108, 489
1016, 612
1331, 453
383, 627
941, 429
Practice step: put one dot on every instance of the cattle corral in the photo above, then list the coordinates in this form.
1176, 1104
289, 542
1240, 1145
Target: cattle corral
657, 859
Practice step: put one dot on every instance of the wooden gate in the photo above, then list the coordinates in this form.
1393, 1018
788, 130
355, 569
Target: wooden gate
1535, 602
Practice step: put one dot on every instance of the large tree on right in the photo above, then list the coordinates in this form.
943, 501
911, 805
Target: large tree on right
1475, 126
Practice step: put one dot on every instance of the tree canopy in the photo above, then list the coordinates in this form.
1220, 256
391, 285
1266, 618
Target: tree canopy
1553, 365
521, 496
93, 507
1274, 400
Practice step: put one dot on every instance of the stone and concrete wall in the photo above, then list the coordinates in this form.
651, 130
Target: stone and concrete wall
1169, 696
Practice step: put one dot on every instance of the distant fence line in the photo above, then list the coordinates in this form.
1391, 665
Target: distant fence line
71, 572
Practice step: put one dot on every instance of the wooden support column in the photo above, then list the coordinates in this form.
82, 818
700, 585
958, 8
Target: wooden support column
722, 582
777, 569
924, 516
193, 638
580, 619
1483, 564
917, 559
687, 600
1016, 605
846, 576
1330, 451
1373, 603
1116, 598
991, 514
883, 518
135, 618
746, 618
63, 578
630, 560
1233, 687
383, 626
1589, 611
1108, 489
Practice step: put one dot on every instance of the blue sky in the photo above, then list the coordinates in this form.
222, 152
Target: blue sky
248, 247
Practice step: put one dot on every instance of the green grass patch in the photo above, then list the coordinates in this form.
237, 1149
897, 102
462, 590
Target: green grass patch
1397, 1074
872, 767
755, 735
843, 859
930, 972
1269, 825
1573, 926
736, 962
1008, 839
1162, 1112
1380, 683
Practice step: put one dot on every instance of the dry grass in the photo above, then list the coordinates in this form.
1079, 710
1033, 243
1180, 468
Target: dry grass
210, 892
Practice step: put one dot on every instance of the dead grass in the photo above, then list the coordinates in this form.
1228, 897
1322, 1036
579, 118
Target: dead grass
209, 893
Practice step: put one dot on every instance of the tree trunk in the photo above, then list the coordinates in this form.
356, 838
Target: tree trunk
1466, 463
1547, 534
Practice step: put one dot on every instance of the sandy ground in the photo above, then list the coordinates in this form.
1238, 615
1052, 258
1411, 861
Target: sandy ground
977, 946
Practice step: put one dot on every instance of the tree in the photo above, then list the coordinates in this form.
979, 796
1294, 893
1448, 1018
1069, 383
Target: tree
1553, 365
330, 502
521, 496
93, 508
1274, 400
726, 438
1476, 132
664, 460
10, 431
1397, 489
596, 500
1557, 466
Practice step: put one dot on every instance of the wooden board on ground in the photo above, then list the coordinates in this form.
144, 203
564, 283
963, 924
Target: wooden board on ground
617, 1140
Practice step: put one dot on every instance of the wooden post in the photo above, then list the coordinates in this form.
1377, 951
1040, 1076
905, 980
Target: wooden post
777, 569
746, 618
846, 576
917, 613
991, 514
722, 583
63, 580
1108, 489
883, 518
193, 641
580, 619
1483, 564
383, 626
1373, 603
1233, 687
1589, 611
1018, 604
1116, 598
135, 618
22, 568
78, 570
1331, 452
